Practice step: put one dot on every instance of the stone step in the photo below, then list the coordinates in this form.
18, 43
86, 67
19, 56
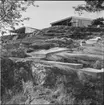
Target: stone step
85, 56
92, 72
73, 56
55, 63
80, 56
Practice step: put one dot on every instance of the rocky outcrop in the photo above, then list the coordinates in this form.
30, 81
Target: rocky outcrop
71, 74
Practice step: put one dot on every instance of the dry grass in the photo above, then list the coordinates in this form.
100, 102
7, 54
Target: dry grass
58, 88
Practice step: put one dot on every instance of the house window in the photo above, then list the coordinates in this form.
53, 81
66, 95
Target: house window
76, 23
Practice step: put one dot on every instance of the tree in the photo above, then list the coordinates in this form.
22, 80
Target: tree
11, 12
98, 21
90, 6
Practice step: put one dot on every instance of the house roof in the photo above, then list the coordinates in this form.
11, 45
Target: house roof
19, 30
22, 30
72, 17
60, 20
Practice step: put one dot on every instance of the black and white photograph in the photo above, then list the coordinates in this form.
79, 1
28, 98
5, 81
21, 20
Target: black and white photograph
51, 52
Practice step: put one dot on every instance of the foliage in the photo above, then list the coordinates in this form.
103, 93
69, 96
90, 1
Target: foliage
98, 21
11, 12
70, 90
18, 53
13, 53
43, 45
61, 88
12, 74
90, 6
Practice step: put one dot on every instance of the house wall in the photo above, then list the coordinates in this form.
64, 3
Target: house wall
81, 22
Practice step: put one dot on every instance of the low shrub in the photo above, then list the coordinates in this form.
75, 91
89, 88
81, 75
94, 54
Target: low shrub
11, 75
14, 53
43, 46
70, 90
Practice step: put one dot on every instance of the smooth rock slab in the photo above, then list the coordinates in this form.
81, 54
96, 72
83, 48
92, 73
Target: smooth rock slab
39, 102
73, 56
72, 65
92, 70
94, 73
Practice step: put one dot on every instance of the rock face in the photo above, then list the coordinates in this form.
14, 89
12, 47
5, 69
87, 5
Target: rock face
71, 73
76, 56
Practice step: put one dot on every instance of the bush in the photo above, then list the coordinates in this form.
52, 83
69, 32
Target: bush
70, 90
98, 64
11, 75
19, 53
14, 53
43, 46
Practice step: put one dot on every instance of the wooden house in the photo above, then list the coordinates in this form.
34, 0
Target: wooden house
73, 21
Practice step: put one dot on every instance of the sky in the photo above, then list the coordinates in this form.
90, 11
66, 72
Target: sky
50, 11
